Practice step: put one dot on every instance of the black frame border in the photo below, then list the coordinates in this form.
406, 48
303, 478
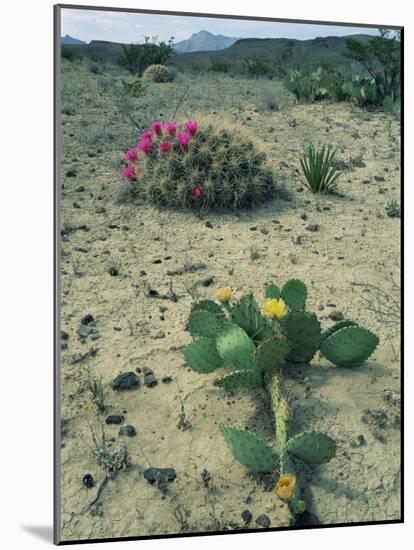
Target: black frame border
56, 275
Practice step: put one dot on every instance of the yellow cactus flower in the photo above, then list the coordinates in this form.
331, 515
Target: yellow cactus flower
274, 308
285, 487
224, 294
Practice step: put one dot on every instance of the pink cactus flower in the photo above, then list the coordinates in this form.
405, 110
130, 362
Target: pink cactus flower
171, 128
184, 139
129, 172
197, 191
147, 135
145, 145
165, 146
131, 155
156, 127
191, 126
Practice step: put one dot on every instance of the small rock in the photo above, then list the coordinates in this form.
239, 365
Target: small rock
208, 282
304, 216
76, 205
366, 181
312, 227
154, 475
81, 249
298, 239
114, 419
128, 431
64, 335
84, 330
100, 210
125, 381
88, 481
263, 521
113, 272
87, 319
159, 335
71, 174
157, 261
361, 439
379, 178
95, 336
166, 379
246, 516
149, 379
209, 224
336, 316
80, 189
253, 228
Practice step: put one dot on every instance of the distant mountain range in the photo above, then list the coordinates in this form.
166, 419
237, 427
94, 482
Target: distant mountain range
204, 41
69, 40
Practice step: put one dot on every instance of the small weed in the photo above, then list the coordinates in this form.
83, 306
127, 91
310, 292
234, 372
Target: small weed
98, 393
254, 253
392, 208
111, 462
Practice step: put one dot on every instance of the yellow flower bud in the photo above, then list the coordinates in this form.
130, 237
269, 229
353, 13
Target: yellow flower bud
274, 308
224, 294
285, 487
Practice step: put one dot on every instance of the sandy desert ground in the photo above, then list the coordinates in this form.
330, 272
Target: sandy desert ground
134, 269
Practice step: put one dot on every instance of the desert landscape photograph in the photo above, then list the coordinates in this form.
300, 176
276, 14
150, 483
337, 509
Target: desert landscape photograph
229, 244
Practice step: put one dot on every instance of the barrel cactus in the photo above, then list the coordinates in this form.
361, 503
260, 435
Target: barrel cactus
158, 73
199, 164
254, 343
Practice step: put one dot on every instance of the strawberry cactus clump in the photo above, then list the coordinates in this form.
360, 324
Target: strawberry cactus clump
258, 345
199, 164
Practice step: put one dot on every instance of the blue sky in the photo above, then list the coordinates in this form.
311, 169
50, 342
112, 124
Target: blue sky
127, 27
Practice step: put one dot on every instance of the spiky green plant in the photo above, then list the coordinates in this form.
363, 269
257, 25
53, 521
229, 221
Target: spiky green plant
221, 166
158, 73
319, 169
257, 344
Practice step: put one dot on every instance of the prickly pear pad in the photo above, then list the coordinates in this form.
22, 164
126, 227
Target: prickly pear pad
235, 347
204, 323
247, 378
294, 293
304, 332
272, 291
202, 356
249, 449
312, 447
334, 328
246, 314
209, 305
272, 352
350, 346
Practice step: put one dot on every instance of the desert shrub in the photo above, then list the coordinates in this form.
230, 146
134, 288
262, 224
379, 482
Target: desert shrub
137, 57
135, 88
271, 96
256, 67
157, 73
319, 169
104, 83
67, 53
362, 91
381, 59
199, 165
392, 106
220, 67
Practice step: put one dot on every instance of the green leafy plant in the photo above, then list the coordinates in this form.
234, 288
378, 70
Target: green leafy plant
319, 169
135, 88
257, 346
137, 57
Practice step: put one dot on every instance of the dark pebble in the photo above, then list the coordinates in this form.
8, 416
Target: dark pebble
84, 330
76, 205
246, 516
379, 178
126, 381
114, 419
87, 320
209, 224
167, 380
64, 335
88, 481
304, 216
253, 228
157, 261
80, 189
263, 521
128, 431
149, 378
208, 282
71, 174
312, 227
113, 272
152, 475
336, 316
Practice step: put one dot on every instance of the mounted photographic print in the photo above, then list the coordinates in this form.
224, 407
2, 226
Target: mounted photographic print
228, 244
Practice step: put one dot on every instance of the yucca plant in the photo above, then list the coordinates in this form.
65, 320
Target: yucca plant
319, 169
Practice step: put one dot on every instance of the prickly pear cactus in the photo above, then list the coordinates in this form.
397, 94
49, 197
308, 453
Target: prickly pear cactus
249, 449
258, 343
349, 346
312, 447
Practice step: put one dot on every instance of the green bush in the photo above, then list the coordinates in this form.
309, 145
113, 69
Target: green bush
220, 166
319, 169
67, 53
256, 67
137, 57
362, 91
271, 96
157, 73
135, 88
220, 67
324, 83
